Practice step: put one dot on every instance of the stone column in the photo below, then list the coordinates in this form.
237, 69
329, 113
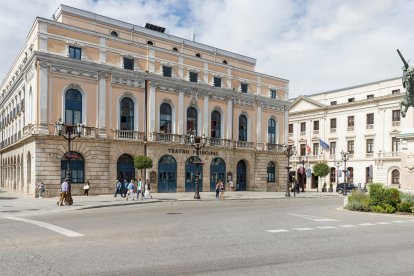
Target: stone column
102, 50
151, 109
180, 112
103, 76
286, 125
229, 118
407, 160
259, 124
205, 116
43, 92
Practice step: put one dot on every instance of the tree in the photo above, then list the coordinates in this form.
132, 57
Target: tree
321, 170
142, 162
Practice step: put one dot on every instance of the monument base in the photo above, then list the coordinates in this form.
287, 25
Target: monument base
407, 160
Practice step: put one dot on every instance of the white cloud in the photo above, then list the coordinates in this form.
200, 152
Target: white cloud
317, 45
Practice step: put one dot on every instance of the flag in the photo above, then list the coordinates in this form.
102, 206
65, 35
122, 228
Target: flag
308, 149
323, 144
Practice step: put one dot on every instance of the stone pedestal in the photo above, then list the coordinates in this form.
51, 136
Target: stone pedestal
407, 160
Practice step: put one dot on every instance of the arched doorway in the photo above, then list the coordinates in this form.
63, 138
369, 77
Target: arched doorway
167, 174
77, 167
217, 172
125, 168
190, 173
241, 182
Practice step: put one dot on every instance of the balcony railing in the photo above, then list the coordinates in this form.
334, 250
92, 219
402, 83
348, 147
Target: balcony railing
350, 128
315, 132
275, 147
389, 154
396, 123
244, 144
167, 137
218, 142
128, 135
371, 126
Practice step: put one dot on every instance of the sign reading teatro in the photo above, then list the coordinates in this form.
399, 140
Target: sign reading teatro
186, 151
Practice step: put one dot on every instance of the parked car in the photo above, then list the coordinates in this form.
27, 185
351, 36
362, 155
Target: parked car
349, 187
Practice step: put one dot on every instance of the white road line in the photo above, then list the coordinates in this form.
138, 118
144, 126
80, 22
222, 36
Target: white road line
326, 227
347, 226
366, 224
383, 222
399, 221
314, 218
51, 227
303, 229
278, 231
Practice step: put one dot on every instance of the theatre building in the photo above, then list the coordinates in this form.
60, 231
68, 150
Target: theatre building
136, 91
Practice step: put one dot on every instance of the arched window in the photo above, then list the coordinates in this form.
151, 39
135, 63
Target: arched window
192, 120
215, 124
73, 107
165, 118
271, 132
271, 172
76, 165
127, 114
242, 128
395, 177
114, 33
149, 42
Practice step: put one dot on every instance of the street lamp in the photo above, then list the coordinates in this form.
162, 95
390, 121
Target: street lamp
345, 157
289, 151
302, 160
71, 132
337, 164
197, 143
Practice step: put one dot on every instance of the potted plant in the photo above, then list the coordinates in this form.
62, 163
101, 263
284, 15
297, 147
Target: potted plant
321, 170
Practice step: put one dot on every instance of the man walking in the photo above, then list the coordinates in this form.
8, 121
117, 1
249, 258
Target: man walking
118, 188
131, 188
139, 189
63, 192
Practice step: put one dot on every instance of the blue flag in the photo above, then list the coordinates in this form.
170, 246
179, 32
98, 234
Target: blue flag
323, 144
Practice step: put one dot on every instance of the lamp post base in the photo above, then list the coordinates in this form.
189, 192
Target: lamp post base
197, 196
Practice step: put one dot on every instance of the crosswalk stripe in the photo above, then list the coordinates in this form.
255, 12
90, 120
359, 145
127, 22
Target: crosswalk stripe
278, 231
347, 226
383, 222
399, 221
303, 229
366, 224
326, 227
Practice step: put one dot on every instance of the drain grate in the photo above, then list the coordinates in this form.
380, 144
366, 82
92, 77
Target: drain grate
174, 213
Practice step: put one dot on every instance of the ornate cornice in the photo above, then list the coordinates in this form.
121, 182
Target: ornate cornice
66, 70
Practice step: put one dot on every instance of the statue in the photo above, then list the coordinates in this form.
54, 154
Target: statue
408, 84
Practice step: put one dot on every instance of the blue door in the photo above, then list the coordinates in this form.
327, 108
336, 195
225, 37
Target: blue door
167, 174
125, 167
190, 173
217, 172
241, 183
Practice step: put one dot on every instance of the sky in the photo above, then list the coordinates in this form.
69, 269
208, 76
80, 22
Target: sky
318, 45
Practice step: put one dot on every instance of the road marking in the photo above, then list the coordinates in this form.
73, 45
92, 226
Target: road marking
51, 227
313, 218
399, 221
326, 227
366, 224
346, 226
278, 231
304, 229
383, 222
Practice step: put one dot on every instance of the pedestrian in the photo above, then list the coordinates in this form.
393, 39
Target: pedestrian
222, 188
125, 187
118, 188
41, 188
69, 199
217, 189
86, 188
139, 188
231, 186
131, 188
63, 192
147, 189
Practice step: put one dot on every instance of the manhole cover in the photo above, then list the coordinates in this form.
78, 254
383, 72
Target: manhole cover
174, 213
10, 211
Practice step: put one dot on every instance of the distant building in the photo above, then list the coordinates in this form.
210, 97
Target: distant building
362, 120
137, 91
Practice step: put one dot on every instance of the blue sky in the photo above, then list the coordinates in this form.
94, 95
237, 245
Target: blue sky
318, 45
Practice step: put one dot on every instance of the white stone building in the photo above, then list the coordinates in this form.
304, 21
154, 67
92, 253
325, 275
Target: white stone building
363, 120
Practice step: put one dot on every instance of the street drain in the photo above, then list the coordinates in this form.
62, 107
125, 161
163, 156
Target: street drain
174, 213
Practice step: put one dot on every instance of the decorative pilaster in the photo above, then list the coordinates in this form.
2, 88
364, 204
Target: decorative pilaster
151, 109
180, 112
259, 123
205, 117
103, 76
43, 92
151, 63
102, 50
229, 118
286, 125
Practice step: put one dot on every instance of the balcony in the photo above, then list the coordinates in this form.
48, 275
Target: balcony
128, 135
371, 126
167, 137
275, 147
396, 123
390, 155
316, 132
244, 144
332, 130
218, 142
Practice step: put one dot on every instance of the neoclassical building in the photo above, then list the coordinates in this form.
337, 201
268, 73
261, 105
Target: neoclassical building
363, 120
137, 91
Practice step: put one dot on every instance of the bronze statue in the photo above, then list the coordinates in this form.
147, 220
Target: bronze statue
408, 84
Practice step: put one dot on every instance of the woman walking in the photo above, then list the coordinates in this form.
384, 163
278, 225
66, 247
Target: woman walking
86, 188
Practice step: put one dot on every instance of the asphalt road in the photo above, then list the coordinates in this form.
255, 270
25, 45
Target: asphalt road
258, 237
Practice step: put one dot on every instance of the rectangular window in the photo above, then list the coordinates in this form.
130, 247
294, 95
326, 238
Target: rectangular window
273, 94
371, 96
193, 76
315, 125
75, 52
370, 119
351, 146
351, 121
167, 71
351, 100
128, 63
302, 149
396, 142
396, 115
315, 148
370, 145
290, 128
333, 123
332, 148
243, 87
395, 92
368, 174
217, 82
333, 103
302, 127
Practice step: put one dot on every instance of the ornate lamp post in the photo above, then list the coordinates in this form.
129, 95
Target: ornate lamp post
337, 165
289, 151
71, 132
197, 143
345, 157
302, 160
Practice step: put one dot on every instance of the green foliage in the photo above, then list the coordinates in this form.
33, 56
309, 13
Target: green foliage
392, 197
321, 169
405, 206
389, 209
358, 201
143, 162
376, 194
377, 209
407, 197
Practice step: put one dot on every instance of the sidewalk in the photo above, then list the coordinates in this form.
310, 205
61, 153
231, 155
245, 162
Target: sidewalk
19, 204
